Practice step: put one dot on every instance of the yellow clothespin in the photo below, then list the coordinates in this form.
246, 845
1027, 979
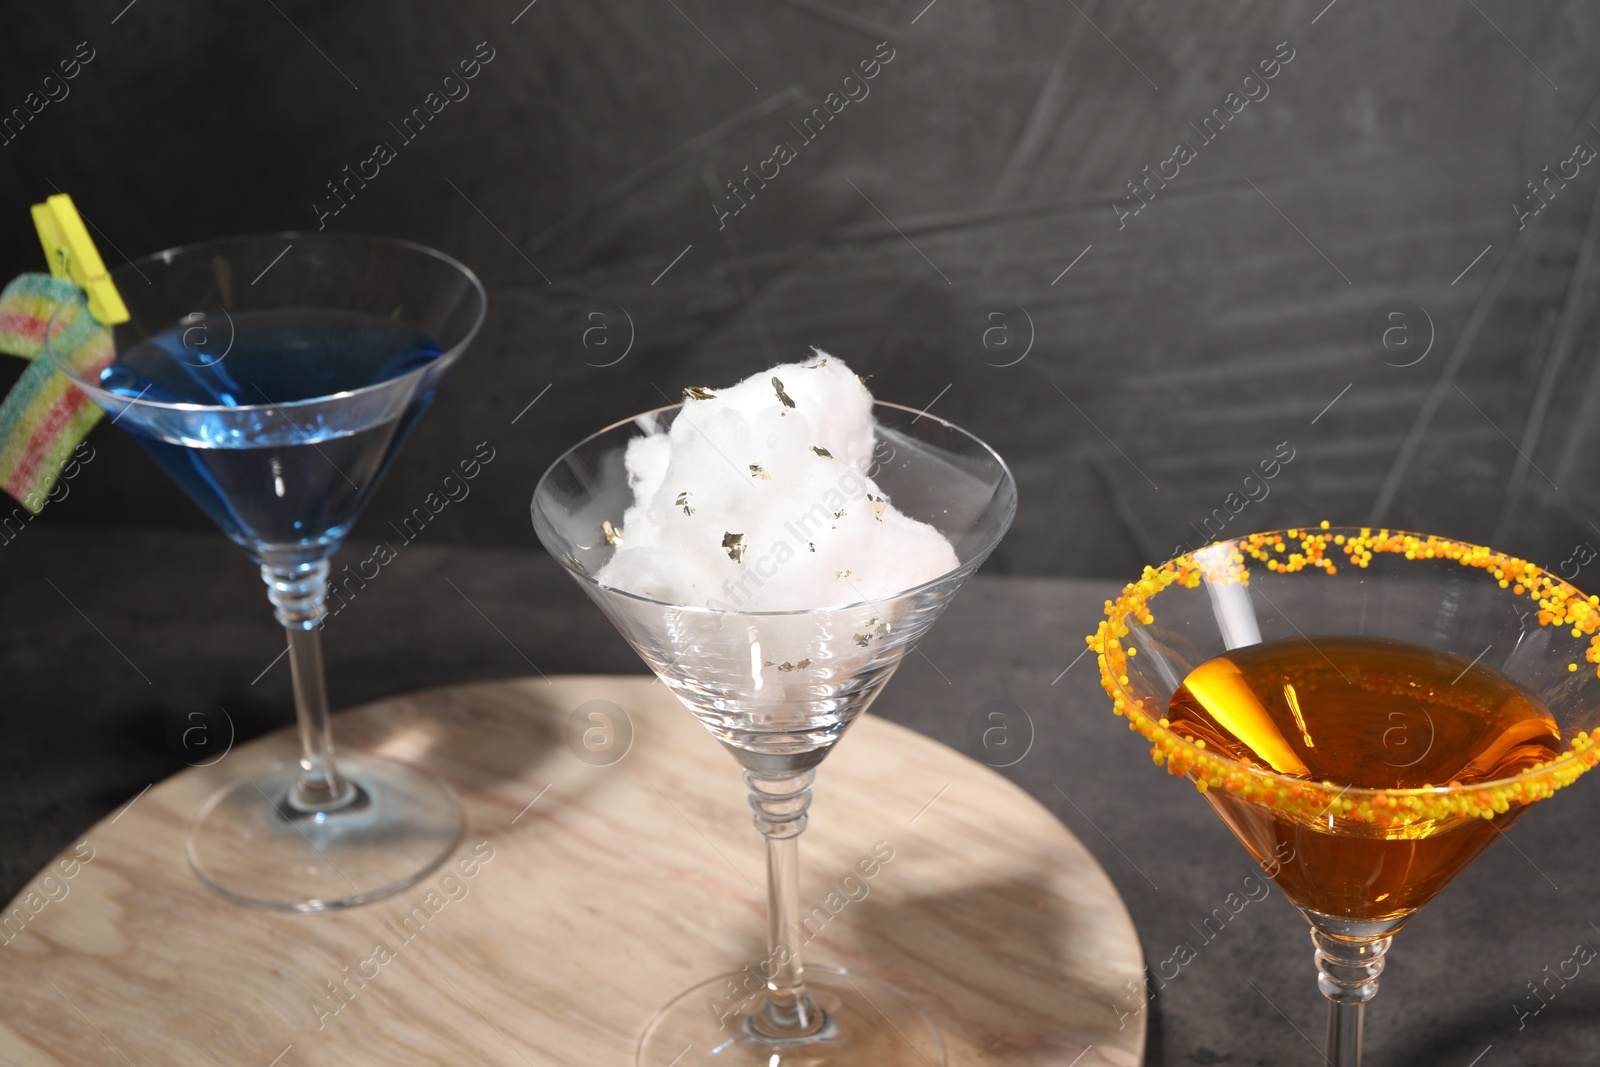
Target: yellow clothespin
72, 255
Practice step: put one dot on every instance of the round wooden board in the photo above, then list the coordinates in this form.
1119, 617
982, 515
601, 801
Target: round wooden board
597, 893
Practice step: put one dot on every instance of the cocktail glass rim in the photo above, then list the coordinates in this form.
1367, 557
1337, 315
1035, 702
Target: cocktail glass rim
129, 270
588, 579
1577, 755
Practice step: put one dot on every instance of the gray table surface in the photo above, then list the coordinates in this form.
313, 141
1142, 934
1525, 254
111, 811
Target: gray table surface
112, 637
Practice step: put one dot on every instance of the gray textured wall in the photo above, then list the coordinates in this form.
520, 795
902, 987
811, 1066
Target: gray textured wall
1193, 341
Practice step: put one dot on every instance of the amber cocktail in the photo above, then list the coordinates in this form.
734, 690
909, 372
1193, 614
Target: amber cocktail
1366, 710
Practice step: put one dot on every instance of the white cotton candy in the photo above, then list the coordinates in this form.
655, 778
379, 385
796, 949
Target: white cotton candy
784, 488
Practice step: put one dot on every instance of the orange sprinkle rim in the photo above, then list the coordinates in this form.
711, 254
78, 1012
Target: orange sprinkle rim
1295, 549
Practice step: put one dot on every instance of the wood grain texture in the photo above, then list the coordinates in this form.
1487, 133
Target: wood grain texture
582, 898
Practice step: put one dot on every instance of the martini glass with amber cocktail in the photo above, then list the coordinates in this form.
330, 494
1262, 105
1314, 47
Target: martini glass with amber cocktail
1367, 710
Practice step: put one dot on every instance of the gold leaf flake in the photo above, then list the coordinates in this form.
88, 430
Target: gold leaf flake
698, 392
862, 378
841, 574
786, 666
822, 360
757, 471
783, 397
613, 533
811, 546
873, 629
683, 502
734, 544
576, 562
839, 514
879, 505
823, 452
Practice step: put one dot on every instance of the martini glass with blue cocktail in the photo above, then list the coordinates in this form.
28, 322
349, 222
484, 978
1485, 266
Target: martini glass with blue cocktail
277, 404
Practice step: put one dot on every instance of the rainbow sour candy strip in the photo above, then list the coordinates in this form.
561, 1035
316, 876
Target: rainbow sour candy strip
45, 416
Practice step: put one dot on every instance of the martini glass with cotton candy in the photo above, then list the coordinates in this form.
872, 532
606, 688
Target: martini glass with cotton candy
772, 550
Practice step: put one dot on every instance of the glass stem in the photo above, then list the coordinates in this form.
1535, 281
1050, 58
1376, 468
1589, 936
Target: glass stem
1344, 1034
787, 1012
1347, 974
299, 594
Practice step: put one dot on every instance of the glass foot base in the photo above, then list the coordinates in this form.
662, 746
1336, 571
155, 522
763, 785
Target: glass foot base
249, 845
869, 1022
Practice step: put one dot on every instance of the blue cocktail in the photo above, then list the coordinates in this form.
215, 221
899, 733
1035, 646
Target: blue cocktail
278, 406
274, 487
